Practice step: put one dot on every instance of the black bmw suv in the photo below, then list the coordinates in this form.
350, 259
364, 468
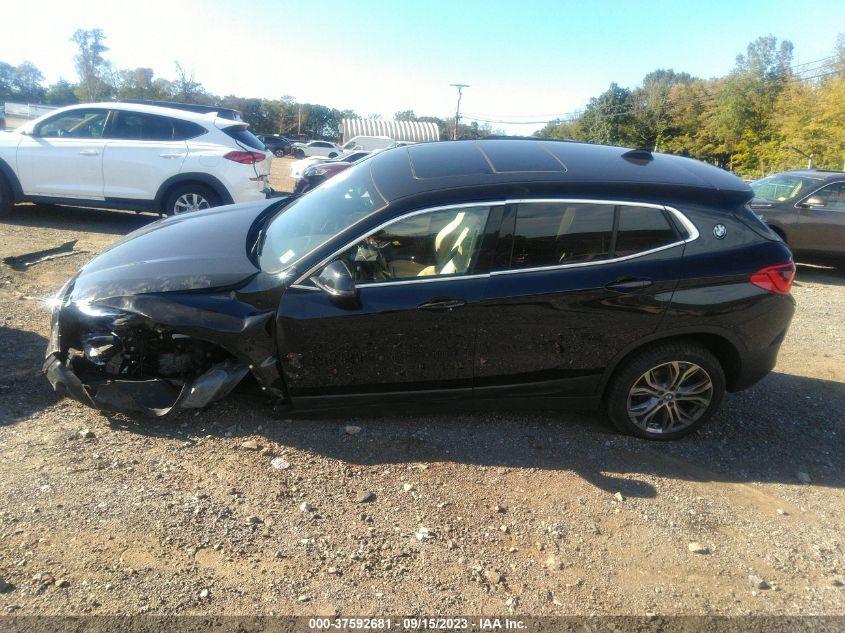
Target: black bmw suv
529, 273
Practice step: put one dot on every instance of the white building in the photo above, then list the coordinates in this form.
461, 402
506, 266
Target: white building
418, 131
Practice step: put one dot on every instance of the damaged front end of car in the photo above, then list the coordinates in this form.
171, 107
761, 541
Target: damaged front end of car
155, 353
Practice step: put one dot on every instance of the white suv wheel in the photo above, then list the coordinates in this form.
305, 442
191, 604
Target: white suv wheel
190, 202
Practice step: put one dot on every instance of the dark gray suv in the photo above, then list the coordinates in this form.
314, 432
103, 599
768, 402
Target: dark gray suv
806, 208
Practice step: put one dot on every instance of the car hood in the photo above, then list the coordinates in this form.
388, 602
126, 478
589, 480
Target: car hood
195, 251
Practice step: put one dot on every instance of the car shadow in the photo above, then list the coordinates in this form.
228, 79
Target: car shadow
784, 425
103, 221
23, 390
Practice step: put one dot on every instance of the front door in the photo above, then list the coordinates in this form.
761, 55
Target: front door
412, 330
821, 227
64, 156
574, 284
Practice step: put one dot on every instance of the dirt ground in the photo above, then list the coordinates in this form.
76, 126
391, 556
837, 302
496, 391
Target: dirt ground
494, 513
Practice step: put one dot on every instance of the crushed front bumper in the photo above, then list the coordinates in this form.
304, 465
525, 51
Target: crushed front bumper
153, 397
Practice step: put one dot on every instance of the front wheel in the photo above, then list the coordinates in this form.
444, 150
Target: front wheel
333, 155
666, 392
190, 197
279, 153
298, 153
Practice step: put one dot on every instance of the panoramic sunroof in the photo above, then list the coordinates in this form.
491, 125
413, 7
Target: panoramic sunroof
511, 156
428, 160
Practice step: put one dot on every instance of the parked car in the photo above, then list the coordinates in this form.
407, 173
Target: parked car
279, 145
520, 273
315, 148
133, 156
806, 208
367, 143
298, 167
314, 175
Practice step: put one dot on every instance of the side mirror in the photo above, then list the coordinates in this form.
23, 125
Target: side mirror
336, 280
812, 201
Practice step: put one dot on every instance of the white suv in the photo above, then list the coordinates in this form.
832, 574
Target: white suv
134, 156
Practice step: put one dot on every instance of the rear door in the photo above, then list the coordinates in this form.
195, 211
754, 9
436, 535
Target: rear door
821, 227
141, 152
573, 284
64, 156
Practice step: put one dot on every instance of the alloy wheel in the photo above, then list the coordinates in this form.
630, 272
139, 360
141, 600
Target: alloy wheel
670, 397
188, 202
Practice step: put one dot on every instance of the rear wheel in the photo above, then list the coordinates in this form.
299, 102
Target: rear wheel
666, 392
279, 153
298, 153
333, 155
6, 201
190, 197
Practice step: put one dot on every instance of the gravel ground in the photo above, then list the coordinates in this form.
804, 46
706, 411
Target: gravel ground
233, 511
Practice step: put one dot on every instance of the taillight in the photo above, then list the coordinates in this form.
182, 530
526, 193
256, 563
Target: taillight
245, 158
777, 279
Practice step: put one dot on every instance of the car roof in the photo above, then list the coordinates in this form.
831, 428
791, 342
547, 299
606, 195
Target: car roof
819, 174
185, 115
537, 165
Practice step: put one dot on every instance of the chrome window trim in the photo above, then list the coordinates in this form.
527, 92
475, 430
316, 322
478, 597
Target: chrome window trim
810, 195
689, 227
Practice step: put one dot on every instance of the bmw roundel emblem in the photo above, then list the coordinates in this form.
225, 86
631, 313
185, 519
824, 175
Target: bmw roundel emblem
720, 231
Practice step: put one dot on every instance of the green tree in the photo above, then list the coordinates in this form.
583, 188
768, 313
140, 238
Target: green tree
7, 81
90, 64
61, 93
27, 83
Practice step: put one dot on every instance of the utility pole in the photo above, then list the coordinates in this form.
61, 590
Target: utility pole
460, 88
299, 121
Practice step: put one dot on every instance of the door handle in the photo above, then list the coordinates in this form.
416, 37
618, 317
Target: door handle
177, 155
628, 284
89, 152
442, 303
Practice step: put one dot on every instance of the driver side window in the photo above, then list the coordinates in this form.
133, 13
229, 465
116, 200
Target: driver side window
433, 243
75, 124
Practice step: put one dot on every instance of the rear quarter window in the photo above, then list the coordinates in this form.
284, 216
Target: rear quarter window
642, 229
184, 130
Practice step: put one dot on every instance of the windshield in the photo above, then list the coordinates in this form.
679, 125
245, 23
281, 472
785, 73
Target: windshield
781, 188
317, 217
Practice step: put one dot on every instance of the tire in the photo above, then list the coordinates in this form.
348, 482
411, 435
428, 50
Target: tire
279, 153
182, 198
333, 155
656, 410
6, 201
298, 153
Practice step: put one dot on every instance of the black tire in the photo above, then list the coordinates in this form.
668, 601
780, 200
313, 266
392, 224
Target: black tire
298, 153
333, 155
181, 193
6, 201
660, 358
279, 153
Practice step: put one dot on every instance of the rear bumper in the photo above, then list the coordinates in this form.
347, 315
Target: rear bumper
755, 366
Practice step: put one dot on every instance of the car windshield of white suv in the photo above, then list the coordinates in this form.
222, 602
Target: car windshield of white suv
315, 218
781, 188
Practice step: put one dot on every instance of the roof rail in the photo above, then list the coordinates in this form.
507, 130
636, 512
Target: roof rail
223, 113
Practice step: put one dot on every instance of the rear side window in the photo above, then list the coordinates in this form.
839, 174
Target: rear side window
548, 234
243, 136
641, 229
137, 126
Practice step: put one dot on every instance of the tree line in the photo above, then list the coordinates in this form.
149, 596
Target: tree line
99, 80
766, 115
